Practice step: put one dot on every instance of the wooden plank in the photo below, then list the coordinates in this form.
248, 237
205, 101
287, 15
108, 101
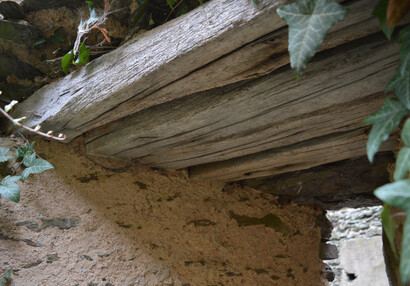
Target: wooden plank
220, 43
137, 69
342, 87
301, 156
348, 183
269, 53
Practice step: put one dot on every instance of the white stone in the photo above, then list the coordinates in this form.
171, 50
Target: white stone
363, 257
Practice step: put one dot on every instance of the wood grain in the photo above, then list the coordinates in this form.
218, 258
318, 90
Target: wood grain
301, 156
220, 43
338, 91
83, 99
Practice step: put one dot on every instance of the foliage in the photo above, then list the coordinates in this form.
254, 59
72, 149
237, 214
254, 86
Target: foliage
33, 165
6, 279
389, 226
57, 37
28, 158
384, 121
309, 21
380, 12
93, 22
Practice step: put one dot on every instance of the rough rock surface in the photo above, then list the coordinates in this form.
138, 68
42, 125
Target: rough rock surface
82, 224
357, 233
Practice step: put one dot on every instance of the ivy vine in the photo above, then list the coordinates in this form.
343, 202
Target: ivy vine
309, 22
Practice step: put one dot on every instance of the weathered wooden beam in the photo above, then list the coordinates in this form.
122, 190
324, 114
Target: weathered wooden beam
348, 183
221, 42
301, 156
77, 102
342, 87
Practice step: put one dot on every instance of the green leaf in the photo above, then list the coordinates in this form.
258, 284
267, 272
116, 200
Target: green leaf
405, 133
7, 273
3, 154
22, 151
201, 2
39, 41
57, 36
405, 252
404, 35
392, 83
397, 194
83, 55
151, 21
384, 121
28, 159
66, 60
3, 281
35, 166
182, 9
93, 14
402, 88
402, 164
309, 21
9, 189
389, 227
171, 3
381, 12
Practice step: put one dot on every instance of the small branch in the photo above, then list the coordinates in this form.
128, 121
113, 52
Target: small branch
47, 135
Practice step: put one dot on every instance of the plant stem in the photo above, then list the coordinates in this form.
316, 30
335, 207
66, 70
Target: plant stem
5, 114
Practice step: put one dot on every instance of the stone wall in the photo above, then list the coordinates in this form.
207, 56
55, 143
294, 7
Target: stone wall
357, 233
108, 223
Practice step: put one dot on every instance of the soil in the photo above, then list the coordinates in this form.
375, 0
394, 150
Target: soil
85, 224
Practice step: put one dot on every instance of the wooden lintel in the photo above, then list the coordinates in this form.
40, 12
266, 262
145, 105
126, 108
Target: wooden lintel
302, 156
338, 91
91, 95
219, 43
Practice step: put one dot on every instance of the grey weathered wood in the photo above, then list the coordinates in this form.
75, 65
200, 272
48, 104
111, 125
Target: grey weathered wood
347, 183
340, 90
77, 102
302, 156
220, 43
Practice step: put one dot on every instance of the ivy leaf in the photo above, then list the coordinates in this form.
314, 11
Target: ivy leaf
309, 21
93, 13
389, 227
402, 88
401, 81
34, 166
404, 35
57, 36
171, 3
3, 154
7, 273
22, 151
405, 133
28, 159
9, 189
182, 9
384, 121
66, 60
39, 41
397, 194
402, 164
380, 11
83, 55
